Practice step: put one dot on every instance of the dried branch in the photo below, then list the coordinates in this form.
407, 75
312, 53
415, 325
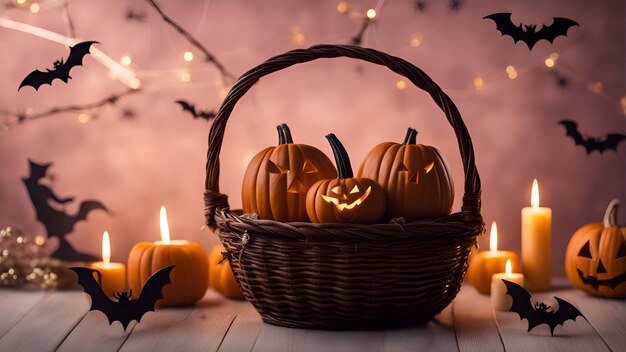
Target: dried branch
226, 75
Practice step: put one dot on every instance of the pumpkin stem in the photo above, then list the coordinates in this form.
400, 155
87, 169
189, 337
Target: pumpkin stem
281, 135
287, 132
344, 168
411, 136
610, 216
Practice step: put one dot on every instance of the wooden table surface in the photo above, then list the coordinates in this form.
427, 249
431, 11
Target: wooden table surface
47, 321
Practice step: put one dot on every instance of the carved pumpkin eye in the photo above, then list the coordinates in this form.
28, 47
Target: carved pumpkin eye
336, 189
355, 189
585, 252
621, 252
429, 167
275, 169
309, 168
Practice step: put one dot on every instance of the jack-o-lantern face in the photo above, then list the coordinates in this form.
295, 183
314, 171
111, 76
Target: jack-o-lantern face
415, 177
595, 260
346, 198
277, 179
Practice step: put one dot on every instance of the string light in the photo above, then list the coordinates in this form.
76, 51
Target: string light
416, 40
185, 77
371, 14
135, 83
83, 118
551, 60
297, 37
342, 7
511, 72
596, 87
401, 84
20, 2
126, 60
188, 56
479, 83
34, 7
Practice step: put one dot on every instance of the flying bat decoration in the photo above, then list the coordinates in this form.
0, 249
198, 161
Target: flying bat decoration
540, 313
591, 143
528, 33
125, 309
61, 69
191, 108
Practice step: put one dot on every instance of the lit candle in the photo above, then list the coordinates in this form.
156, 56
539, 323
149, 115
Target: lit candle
112, 275
486, 263
500, 301
189, 277
536, 248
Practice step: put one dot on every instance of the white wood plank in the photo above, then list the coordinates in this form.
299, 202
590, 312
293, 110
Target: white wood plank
197, 328
607, 316
571, 336
14, 305
94, 333
47, 324
474, 321
243, 331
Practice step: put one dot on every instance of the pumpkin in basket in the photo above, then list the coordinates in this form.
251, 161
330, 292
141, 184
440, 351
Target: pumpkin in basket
221, 277
277, 179
415, 178
347, 198
595, 260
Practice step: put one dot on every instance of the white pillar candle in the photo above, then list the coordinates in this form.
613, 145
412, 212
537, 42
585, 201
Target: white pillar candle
536, 243
500, 301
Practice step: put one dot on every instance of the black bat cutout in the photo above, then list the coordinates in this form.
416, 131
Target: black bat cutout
540, 313
527, 33
591, 143
61, 69
125, 309
191, 108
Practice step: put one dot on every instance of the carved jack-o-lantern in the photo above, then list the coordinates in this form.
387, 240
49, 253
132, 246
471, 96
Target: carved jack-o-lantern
595, 260
346, 198
414, 176
277, 179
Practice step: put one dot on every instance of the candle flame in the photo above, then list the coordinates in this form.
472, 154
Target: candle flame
106, 248
507, 268
165, 229
493, 238
534, 196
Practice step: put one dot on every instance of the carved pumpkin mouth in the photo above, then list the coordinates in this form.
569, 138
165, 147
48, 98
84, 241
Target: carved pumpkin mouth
595, 282
342, 206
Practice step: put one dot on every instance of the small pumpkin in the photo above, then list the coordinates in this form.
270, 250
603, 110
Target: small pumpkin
221, 277
277, 179
415, 178
347, 198
595, 260
189, 277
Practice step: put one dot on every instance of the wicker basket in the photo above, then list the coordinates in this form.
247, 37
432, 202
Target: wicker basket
346, 276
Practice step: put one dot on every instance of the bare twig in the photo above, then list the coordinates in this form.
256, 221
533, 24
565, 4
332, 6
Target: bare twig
226, 75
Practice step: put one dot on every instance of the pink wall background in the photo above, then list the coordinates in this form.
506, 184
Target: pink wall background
135, 166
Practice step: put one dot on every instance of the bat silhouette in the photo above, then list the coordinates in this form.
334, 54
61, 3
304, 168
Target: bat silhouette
528, 33
591, 143
125, 309
540, 313
61, 69
191, 108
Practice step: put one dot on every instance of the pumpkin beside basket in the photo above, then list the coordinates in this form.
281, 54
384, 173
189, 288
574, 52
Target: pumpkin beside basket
339, 275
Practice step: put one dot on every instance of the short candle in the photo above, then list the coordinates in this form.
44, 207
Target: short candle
500, 301
486, 263
112, 275
536, 243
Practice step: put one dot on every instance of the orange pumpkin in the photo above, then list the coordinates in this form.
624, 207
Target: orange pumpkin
189, 277
346, 198
595, 260
277, 179
221, 277
415, 178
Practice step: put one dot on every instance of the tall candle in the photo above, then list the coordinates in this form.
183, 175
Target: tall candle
500, 301
486, 263
536, 243
112, 275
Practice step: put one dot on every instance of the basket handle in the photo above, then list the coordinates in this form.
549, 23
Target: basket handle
215, 200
